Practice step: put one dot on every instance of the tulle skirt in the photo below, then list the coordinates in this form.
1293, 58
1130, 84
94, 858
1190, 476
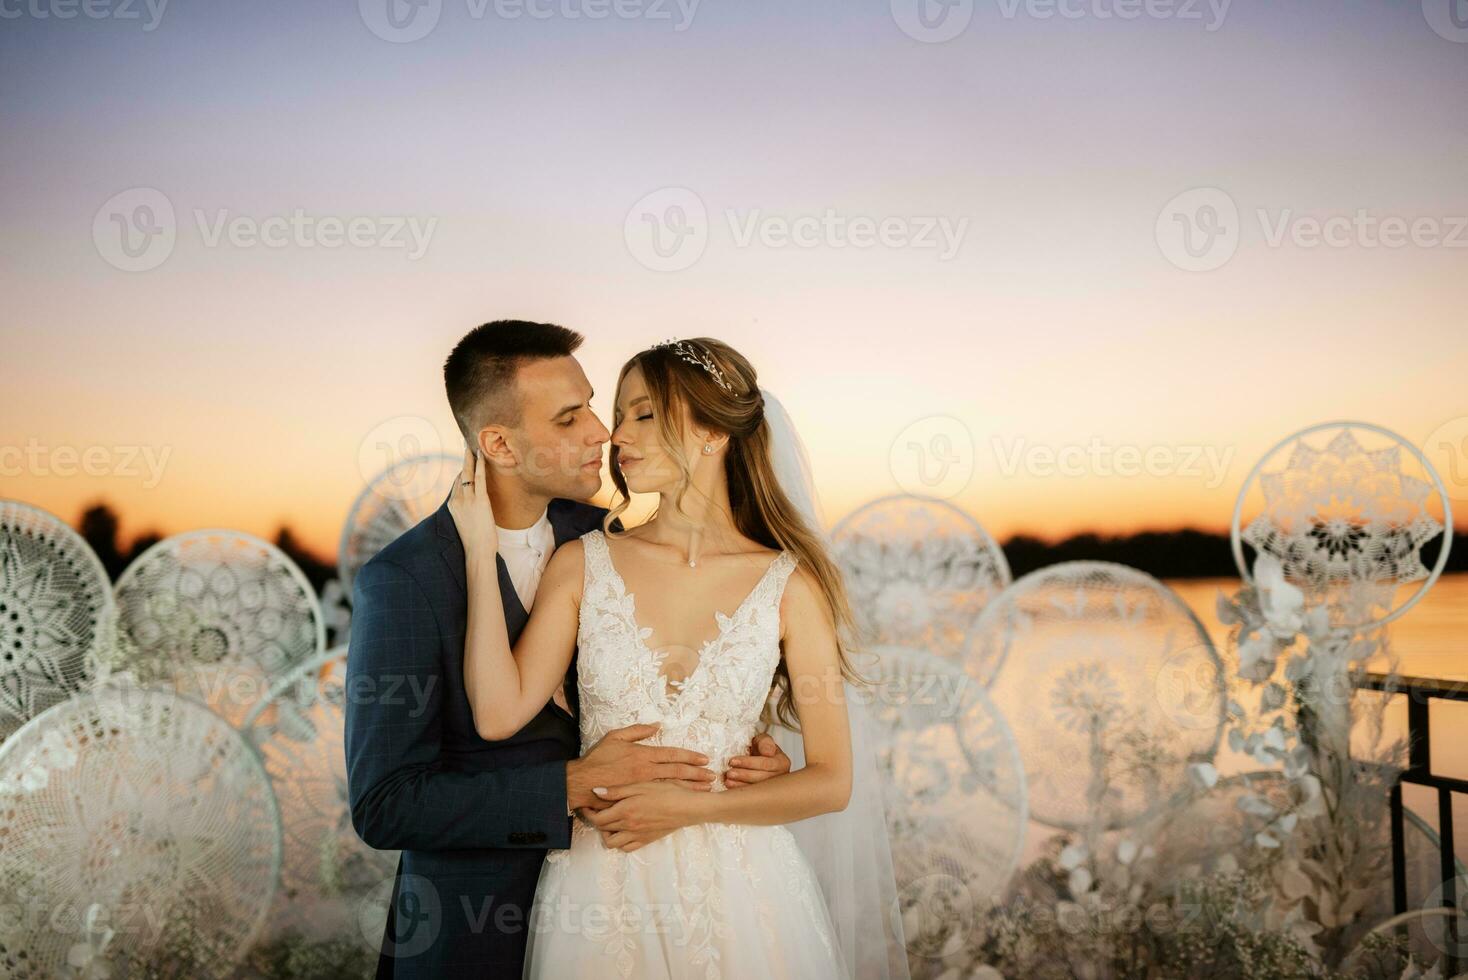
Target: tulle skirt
710, 901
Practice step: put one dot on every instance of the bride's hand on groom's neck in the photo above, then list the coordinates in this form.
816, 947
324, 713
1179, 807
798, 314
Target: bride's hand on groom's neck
472, 511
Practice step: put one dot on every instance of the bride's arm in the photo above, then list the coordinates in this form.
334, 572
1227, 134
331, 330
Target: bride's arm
506, 688
647, 811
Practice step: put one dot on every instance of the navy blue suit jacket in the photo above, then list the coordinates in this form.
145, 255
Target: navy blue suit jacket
472, 818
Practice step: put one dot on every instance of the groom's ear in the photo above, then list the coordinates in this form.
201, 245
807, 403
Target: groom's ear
495, 447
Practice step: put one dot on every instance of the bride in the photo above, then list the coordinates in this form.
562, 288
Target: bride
688, 622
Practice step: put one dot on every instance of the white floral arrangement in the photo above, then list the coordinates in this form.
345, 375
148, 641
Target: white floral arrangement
1297, 894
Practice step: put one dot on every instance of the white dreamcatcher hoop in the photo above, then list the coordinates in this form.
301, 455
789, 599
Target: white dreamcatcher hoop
1346, 522
950, 761
1112, 687
394, 501
327, 872
55, 604
919, 571
147, 818
221, 614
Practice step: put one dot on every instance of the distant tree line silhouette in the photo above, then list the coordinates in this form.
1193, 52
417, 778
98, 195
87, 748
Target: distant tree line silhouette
99, 526
1182, 554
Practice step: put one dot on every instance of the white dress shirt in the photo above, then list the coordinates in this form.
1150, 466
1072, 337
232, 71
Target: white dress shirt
526, 553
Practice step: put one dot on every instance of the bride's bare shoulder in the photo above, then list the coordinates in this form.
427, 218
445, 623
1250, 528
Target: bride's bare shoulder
566, 561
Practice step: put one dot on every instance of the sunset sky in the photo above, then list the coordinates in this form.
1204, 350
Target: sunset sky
535, 156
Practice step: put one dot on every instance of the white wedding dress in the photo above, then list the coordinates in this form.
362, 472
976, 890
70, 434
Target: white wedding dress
708, 901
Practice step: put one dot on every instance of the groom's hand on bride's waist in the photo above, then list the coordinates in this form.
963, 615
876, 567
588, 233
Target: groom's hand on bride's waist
619, 759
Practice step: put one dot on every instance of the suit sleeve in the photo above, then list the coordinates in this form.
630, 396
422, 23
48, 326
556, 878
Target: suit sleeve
401, 797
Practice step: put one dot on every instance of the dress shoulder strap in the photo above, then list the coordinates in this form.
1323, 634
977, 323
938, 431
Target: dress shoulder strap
598, 562
780, 571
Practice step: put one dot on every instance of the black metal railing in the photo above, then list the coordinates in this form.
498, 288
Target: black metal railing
1420, 692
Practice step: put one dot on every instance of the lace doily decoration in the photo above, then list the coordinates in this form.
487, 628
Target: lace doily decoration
327, 872
149, 807
951, 770
1112, 686
227, 614
55, 604
393, 502
1348, 520
919, 572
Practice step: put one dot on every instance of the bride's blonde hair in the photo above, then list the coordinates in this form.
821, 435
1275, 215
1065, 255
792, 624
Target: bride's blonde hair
719, 388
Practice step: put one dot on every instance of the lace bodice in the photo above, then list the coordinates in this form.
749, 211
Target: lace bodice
716, 708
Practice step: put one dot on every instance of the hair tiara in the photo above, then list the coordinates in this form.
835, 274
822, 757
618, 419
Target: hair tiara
686, 351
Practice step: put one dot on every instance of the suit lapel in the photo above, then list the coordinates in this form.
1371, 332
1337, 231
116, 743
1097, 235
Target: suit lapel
564, 528
452, 551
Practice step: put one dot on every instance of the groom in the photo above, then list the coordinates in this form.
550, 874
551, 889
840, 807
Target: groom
474, 818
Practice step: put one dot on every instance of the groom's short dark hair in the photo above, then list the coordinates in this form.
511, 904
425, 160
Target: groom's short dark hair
479, 374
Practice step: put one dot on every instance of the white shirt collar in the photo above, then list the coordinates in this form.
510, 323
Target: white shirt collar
527, 537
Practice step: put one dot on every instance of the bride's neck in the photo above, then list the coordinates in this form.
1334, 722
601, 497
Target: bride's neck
705, 522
